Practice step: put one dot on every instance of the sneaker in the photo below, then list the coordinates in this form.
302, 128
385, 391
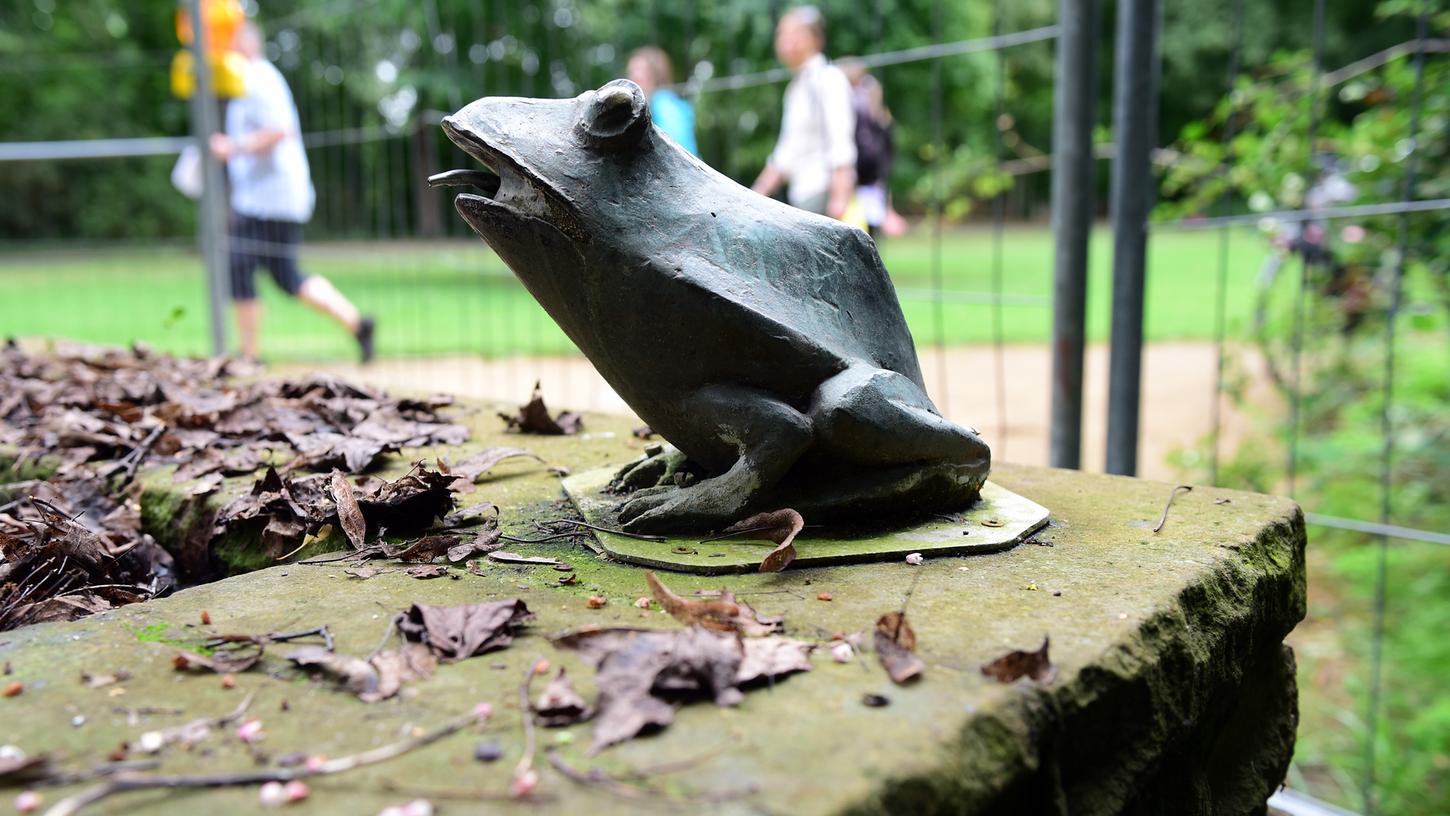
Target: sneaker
365, 338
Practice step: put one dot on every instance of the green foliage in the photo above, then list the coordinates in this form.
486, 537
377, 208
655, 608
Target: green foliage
1365, 123
98, 68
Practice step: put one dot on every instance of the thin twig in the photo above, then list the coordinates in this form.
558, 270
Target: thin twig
387, 635
678, 765
273, 637
526, 762
96, 771
125, 782
640, 536
595, 777
1172, 494
517, 540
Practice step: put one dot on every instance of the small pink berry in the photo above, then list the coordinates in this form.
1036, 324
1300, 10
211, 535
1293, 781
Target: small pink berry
27, 802
642, 603
524, 784
914, 559
315, 762
250, 731
842, 652
418, 807
483, 711
272, 794
296, 791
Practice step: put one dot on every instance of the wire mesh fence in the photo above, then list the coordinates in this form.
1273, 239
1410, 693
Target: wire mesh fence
95, 245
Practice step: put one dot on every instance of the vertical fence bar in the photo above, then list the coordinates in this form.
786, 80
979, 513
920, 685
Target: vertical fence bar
211, 207
1220, 302
1073, 114
1296, 395
1387, 424
938, 194
1135, 109
999, 226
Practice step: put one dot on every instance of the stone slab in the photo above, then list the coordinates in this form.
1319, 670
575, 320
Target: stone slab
1001, 520
1174, 693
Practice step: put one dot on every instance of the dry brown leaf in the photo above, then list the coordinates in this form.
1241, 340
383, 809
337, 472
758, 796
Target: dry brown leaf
771, 657
780, 526
425, 549
427, 571
560, 704
722, 614
642, 673
896, 647
230, 661
371, 680
1017, 664
485, 542
534, 418
458, 632
348, 512
470, 469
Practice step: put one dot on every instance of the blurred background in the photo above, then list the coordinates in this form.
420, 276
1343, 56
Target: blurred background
1294, 294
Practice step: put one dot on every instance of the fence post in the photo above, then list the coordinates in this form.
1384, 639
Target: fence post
212, 206
1073, 114
1135, 115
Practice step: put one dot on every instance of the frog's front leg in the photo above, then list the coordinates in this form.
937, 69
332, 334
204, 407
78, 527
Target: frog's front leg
768, 435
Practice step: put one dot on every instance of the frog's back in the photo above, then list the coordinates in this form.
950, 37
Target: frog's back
812, 276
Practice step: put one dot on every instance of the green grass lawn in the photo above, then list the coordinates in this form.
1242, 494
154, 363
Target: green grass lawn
457, 297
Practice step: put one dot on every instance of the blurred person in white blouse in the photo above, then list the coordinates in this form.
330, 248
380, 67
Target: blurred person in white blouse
816, 152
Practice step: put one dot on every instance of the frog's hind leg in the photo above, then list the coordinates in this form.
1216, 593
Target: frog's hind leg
879, 418
768, 434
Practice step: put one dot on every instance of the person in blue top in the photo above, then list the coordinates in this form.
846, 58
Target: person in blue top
649, 68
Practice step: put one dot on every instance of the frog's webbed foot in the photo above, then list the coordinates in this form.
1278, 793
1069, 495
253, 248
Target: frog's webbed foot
770, 436
710, 504
659, 468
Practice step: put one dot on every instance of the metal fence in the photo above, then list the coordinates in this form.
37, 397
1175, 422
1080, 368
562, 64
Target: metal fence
393, 246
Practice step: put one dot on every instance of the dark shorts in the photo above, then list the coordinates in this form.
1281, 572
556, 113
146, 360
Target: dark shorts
255, 242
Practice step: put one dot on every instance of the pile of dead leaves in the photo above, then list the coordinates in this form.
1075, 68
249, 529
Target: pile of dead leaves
91, 417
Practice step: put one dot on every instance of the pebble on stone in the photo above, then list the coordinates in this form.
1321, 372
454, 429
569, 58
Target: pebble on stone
488, 751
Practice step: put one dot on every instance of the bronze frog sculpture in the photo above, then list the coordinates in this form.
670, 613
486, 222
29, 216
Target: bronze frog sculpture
764, 342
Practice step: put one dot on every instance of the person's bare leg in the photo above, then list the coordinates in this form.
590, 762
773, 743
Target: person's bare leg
249, 319
319, 293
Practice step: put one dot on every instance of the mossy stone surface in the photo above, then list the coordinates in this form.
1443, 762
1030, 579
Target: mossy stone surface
1174, 692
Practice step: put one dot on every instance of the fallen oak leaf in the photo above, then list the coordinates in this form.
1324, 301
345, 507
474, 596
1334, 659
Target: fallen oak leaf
230, 661
482, 544
780, 526
722, 614
348, 512
425, 549
457, 632
468, 471
641, 673
1017, 664
896, 647
534, 418
559, 704
427, 571
771, 657
360, 677
377, 678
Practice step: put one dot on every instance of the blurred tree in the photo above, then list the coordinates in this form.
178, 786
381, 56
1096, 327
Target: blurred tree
96, 68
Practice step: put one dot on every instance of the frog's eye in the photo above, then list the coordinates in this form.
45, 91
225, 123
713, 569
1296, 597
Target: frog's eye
614, 117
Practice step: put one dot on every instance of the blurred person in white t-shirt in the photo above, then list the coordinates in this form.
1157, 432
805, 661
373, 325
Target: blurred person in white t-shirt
816, 152
271, 198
